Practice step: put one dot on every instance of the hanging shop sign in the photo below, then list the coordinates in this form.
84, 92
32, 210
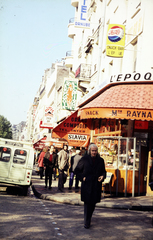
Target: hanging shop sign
115, 41
82, 13
135, 114
69, 96
137, 76
75, 131
48, 118
83, 71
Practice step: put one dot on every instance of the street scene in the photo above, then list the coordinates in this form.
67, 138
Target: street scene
76, 119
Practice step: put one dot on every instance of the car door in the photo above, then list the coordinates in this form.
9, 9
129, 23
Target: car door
5, 161
18, 167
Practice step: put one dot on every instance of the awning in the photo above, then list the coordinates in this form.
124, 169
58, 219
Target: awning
125, 101
40, 143
75, 131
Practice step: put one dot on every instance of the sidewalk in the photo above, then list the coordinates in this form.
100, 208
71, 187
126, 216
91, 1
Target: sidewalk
141, 203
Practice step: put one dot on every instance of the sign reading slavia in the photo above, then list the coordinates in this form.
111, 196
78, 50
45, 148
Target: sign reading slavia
115, 40
82, 19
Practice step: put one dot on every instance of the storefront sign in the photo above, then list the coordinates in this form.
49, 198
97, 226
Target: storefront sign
77, 137
115, 40
82, 20
75, 131
69, 97
134, 114
131, 77
48, 118
141, 124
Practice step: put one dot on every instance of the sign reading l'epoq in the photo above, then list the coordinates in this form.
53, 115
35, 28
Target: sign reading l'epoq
115, 41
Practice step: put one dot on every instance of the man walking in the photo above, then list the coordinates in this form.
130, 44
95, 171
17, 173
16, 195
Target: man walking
63, 164
73, 163
91, 172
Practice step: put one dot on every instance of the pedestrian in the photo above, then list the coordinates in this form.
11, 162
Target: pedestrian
55, 156
91, 172
48, 166
63, 165
40, 162
73, 163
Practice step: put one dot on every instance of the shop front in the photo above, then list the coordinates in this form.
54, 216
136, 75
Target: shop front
121, 117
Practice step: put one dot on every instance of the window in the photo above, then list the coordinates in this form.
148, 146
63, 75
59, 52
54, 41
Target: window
19, 156
5, 154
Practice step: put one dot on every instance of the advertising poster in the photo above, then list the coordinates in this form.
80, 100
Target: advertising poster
69, 96
115, 41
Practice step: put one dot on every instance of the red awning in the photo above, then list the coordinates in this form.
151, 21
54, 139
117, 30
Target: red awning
40, 143
125, 101
74, 131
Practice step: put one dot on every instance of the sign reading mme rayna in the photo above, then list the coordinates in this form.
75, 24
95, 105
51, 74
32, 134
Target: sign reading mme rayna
115, 41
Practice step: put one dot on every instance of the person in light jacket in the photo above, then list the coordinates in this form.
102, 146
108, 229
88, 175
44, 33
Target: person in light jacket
63, 164
91, 172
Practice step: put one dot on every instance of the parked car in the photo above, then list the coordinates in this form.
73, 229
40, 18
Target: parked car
16, 163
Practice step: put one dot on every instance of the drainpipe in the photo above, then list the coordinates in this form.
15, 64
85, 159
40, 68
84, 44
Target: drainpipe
101, 39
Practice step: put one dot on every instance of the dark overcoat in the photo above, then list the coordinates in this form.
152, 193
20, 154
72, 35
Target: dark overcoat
91, 188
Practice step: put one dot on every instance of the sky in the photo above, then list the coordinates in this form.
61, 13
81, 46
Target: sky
33, 35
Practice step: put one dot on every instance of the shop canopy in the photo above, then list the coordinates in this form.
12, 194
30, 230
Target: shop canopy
74, 131
40, 143
121, 101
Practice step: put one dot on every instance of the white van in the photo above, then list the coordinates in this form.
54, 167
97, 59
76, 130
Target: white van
16, 163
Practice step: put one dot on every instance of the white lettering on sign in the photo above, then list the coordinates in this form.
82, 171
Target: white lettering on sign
131, 77
77, 137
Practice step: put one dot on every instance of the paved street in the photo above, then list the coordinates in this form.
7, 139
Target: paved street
31, 218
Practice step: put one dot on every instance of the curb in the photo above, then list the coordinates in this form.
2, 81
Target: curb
80, 203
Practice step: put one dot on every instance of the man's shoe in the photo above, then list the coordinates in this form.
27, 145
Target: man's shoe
69, 188
50, 188
45, 186
86, 226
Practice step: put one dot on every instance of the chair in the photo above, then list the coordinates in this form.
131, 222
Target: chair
107, 180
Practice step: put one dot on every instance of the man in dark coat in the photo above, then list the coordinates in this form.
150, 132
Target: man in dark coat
91, 172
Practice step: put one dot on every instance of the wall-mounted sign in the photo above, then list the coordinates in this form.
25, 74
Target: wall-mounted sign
141, 124
83, 71
69, 96
48, 118
115, 41
82, 15
131, 77
135, 114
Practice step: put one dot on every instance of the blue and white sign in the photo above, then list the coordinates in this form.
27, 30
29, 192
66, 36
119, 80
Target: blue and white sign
82, 15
